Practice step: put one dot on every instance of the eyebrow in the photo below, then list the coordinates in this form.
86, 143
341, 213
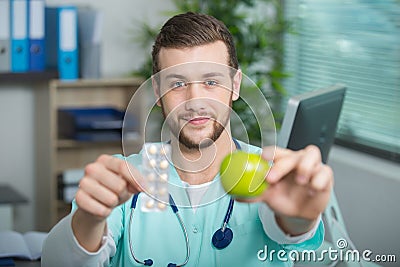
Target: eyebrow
213, 74
175, 76
206, 75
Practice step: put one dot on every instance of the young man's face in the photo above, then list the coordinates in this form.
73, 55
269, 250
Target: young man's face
196, 98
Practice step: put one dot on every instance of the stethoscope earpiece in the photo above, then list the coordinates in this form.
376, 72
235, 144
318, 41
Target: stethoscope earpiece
171, 265
221, 239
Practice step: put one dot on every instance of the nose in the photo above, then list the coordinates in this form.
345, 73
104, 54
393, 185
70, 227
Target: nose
195, 98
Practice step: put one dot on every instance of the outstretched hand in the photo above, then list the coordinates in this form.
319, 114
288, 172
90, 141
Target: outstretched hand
300, 187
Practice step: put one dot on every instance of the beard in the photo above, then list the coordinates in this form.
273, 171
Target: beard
186, 140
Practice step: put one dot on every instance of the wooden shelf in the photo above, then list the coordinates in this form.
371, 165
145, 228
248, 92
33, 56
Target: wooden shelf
63, 205
29, 77
72, 144
97, 83
55, 155
63, 209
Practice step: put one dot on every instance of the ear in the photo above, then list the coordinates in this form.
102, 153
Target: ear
237, 80
156, 88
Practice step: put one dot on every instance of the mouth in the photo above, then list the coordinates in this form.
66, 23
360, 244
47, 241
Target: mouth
198, 120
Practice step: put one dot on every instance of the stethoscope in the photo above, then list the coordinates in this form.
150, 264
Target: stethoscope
220, 239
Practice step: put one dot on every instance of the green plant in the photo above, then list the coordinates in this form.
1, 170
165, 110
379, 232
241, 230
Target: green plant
257, 27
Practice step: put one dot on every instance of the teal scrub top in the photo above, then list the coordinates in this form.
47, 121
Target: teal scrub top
159, 236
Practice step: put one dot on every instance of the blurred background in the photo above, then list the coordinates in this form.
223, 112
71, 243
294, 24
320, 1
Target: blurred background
286, 47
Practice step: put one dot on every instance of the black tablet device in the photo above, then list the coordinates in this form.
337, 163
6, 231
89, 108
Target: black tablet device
312, 118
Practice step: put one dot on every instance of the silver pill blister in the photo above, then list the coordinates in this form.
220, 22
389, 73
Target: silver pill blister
155, 170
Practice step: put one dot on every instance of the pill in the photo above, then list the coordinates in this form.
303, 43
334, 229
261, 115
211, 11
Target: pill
164, 164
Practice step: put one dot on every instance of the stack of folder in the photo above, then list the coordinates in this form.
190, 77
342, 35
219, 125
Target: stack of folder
22, 35
92, 124
35, 38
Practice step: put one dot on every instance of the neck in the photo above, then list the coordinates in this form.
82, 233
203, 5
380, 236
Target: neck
198, 166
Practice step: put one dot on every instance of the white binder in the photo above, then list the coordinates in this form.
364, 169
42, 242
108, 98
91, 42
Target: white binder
5, 36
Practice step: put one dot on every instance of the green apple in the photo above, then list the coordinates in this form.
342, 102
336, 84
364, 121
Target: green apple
243, 174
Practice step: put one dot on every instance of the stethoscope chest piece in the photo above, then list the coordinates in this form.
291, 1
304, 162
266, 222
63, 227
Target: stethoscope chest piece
222, 238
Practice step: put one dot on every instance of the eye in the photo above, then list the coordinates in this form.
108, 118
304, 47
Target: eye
210, 83
178, 84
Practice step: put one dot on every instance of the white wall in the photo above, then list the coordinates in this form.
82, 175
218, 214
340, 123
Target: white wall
17, 144
120, 55
368, 192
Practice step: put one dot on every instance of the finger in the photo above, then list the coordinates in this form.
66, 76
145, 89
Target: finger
274, 153
133, 176
107, 178
100, 193
132, 189
124, 169
110, 162
90, 205
323, 180
126, 194
309, 164
282, 167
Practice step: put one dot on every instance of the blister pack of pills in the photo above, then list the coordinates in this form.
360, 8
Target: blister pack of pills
155, 169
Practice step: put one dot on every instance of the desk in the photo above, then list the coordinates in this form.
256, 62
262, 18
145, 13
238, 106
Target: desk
8, 198
23, 263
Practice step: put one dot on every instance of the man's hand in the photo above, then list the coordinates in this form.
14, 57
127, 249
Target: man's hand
108, 182
300, 187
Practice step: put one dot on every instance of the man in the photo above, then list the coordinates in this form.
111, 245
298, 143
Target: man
100, 232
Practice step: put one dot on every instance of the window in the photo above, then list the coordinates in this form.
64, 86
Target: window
355, 42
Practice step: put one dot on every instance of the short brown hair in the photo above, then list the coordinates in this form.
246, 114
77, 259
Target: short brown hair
190, 30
